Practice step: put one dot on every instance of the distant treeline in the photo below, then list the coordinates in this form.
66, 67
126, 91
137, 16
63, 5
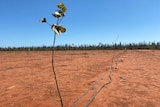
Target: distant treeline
100, 46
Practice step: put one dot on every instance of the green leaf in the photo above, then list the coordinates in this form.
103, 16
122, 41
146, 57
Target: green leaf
64, 9
60, 5
62, 29
58, 29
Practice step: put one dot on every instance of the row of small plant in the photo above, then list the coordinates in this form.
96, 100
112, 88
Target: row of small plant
141, 45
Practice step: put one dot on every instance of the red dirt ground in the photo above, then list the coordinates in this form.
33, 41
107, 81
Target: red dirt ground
27, 80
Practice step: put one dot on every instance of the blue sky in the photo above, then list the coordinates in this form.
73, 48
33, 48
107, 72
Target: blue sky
87, 22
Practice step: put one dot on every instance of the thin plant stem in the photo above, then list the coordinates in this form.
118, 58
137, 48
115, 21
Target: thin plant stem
48, 24
55, 77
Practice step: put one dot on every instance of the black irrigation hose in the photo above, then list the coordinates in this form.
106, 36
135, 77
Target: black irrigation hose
95, 94
55, 77
86, 92
93, 86
110, 80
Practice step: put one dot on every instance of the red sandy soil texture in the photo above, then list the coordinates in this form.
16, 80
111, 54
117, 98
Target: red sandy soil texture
132, 78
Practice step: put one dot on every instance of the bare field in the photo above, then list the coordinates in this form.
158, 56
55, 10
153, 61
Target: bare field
27, 80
